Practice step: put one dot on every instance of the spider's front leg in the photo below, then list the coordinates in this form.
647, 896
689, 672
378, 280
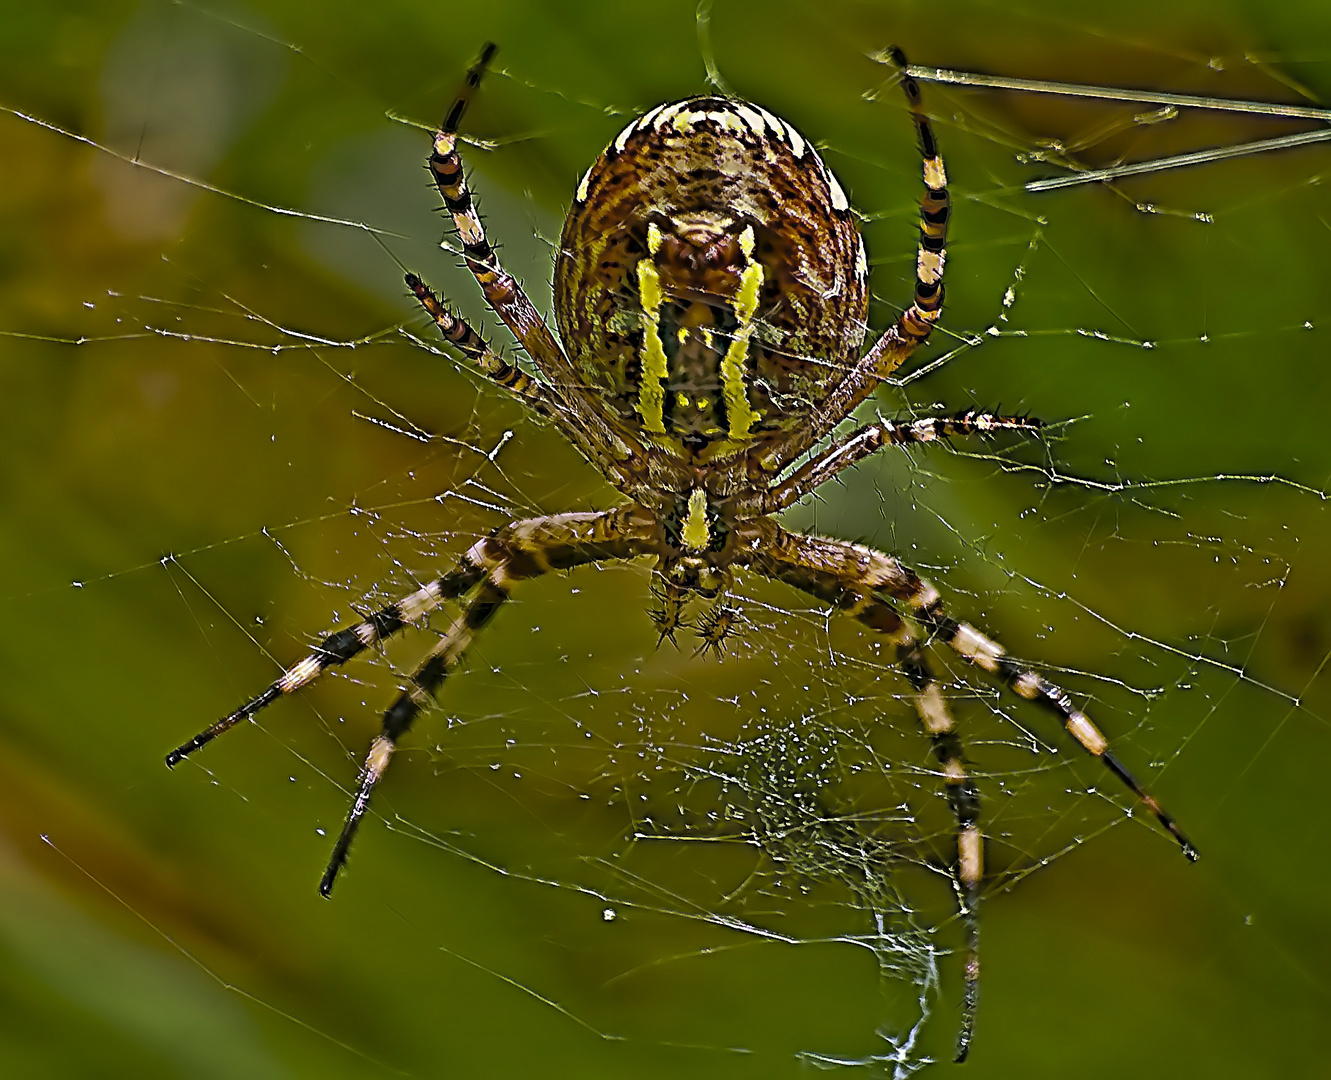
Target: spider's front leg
516, 552
985, 653
523, 550
339, 647
963, 796
871, 586
853, 577
413, 698
821, 569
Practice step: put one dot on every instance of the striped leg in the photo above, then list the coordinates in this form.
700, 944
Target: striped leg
338, 648
458, 333
398, 718
502, 291
523, 550
520, 550
565, 397
854, 579
988, 655
916, 323
871, 438
844, 574
963, 794
870, 584
537, 396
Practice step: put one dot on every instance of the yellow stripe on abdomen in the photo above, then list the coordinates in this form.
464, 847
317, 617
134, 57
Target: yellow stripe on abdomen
740, 416
651, 388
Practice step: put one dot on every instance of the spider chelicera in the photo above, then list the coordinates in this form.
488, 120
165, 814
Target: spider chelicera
711, 292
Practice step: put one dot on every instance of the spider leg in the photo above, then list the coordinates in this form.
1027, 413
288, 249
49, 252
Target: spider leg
869, 585
916, 323
502, 291
507, 299
522, 550
537, 396
859, 444
341, 646
398, 717
797, 560
843, 572
458, 333
985, 653
963, 795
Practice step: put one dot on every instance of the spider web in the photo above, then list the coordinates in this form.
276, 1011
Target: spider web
229, 431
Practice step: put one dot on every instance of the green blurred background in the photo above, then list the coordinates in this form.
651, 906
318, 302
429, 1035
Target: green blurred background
200, 474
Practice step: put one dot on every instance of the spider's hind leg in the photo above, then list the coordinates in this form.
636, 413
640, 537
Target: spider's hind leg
561, 396
917, 321
472, 345
501, 290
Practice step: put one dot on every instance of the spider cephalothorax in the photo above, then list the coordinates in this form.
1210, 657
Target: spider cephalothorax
711, 290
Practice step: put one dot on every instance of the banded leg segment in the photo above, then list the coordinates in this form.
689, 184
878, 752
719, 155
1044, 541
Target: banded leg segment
339, 647
871, 585
987, 654
837, 568
541, 399
502, 291
917, 321
913, 327
871, 438
520, 550
851, 579
963, 794
565, 392
398, 718
523, 550
458, 333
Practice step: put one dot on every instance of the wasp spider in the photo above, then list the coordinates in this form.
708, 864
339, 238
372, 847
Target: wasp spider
711, 293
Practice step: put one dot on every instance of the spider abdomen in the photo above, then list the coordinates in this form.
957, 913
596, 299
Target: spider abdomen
711, 282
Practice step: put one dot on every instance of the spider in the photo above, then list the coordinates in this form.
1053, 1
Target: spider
711, 293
